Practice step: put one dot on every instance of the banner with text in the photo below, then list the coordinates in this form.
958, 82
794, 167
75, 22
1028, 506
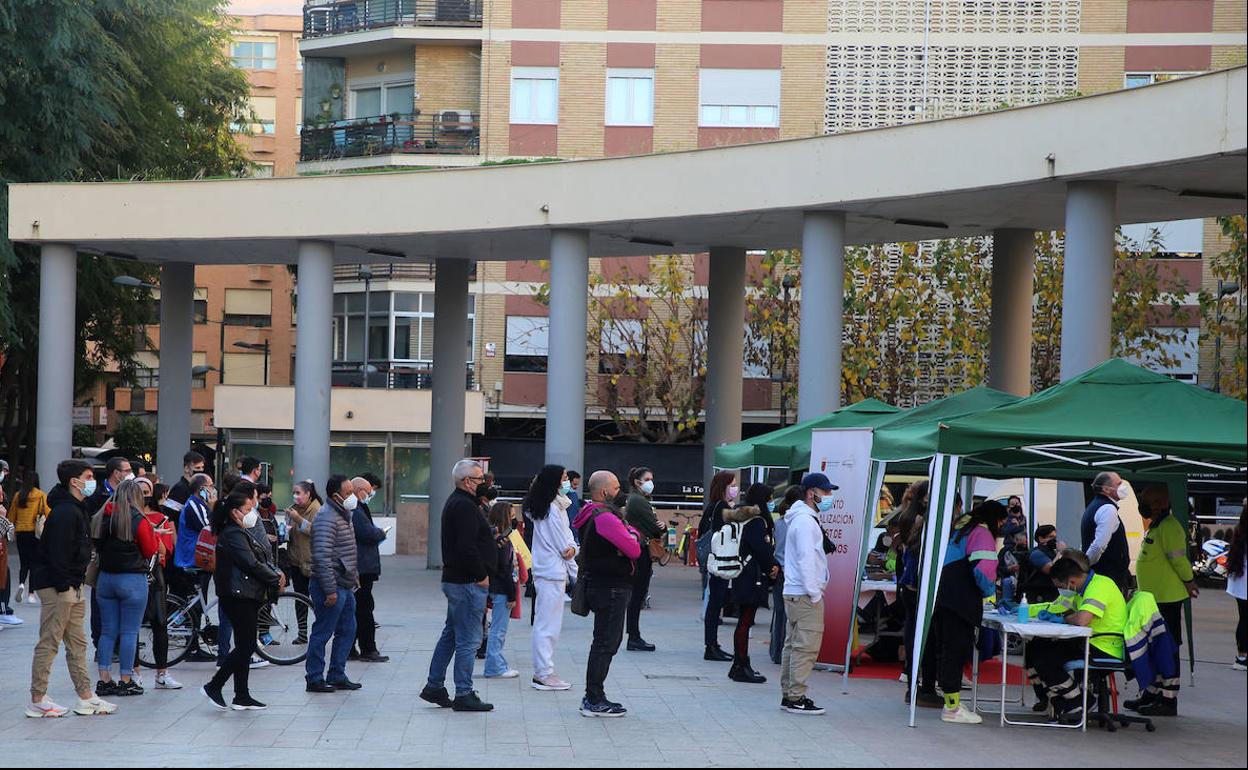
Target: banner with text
844, 454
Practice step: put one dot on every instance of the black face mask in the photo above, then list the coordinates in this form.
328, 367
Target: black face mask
620, 500
486, 491
1016, 509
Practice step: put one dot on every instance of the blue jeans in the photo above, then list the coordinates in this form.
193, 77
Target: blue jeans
337, 621
465, 608
225, 634
495, 663
122, 601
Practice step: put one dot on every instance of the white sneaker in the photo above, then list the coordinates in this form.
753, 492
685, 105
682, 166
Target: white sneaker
94, 706
10, 620
509, 674
166, 682
904, 678
257, 662
45, 709
960, 716
551, 682
1240, 664
20, 593
33, 598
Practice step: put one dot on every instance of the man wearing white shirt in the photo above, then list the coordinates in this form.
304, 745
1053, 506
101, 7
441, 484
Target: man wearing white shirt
1104, 538
805, 576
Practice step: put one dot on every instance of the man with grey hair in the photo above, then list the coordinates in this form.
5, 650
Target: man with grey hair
368, 539
467, 546
1103, 535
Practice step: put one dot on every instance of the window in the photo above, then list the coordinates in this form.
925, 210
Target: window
1182, 346
630, 97
199, 381
527, 345
244, 369
254, 54
375, 100
200, 310
261, 170
739, 98
264, 110
147, 369
1137, 79
402, 334
1182, 238
535, 95
248, 307
621, 339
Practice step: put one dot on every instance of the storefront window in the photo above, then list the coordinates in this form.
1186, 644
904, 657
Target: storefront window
356, 460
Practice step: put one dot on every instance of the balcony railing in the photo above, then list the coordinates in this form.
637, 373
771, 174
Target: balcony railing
336, 17
416, 270
392, 375
446, 132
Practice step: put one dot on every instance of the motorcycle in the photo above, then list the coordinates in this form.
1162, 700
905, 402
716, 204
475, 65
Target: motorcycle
1212, 567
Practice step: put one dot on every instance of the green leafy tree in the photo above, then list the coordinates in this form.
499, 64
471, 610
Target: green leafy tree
109, 89
135, 439
1223, 317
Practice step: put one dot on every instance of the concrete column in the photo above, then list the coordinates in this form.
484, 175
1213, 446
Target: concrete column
313, 360
177, 325
1088, 276
58, 286
565, 370
450, 358
1013, 273
822, 307
725, 351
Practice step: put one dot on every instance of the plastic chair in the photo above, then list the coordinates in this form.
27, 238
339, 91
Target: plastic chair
1102, 679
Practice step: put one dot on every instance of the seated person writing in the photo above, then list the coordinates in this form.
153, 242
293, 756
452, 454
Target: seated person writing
1097, 603
1033, 577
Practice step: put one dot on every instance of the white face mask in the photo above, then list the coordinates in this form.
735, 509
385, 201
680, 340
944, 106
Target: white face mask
350, 502
1124, 491
565, 488
370, 497
647, 487
251, 519
129, 477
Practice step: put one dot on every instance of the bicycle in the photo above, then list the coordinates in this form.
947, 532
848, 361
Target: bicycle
282, 639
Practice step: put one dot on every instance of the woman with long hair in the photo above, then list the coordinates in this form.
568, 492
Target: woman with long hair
909, 546
1237, 586
721, 497
639, 512
30, 504
306, 502
246, 578
751, 588
554, 553
126, 546
502, 592
158, 587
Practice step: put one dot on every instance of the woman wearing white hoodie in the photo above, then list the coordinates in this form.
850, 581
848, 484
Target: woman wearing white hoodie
554, 554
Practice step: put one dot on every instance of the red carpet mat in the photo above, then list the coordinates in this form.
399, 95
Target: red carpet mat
989, 671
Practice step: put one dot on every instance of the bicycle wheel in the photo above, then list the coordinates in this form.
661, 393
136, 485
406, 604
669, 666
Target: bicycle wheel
180, 625
282, 629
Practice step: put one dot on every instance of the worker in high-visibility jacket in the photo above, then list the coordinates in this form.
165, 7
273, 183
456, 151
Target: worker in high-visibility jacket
1097, 603
1165, 571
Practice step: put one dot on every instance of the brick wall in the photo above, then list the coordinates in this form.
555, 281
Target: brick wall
582, 98
676, 96
1101, 69
448, 77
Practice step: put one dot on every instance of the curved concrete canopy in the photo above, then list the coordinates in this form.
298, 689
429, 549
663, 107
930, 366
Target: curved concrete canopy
1178, 150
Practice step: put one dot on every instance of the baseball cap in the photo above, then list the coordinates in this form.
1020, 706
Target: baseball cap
817, 481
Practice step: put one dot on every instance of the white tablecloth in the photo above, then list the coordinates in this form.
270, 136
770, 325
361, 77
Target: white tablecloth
1036, 628
870, 587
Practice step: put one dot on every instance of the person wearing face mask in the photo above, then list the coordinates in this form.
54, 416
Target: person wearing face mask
1034, 578
805, 577
639, 513
721, 496
116, 470
192, 465
554, 564
194, 515
61, 559
368, 538
1104, 537
246, 578
158, 589
778, 622
335, 578
299, 550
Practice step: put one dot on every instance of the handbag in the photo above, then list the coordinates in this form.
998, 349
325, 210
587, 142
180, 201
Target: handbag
580, 597
206, 551
658, 549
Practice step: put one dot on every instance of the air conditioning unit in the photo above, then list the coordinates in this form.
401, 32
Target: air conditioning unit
454, 121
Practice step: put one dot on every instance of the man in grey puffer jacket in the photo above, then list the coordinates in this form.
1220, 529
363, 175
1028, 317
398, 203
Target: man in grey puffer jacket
335, 576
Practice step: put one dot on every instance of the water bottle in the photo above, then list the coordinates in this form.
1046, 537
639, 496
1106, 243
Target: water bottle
1024, 612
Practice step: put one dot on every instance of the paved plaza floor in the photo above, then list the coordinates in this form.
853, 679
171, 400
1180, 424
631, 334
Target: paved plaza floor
682, 711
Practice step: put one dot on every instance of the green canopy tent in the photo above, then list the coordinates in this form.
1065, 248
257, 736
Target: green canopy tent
789, 447
1114, 417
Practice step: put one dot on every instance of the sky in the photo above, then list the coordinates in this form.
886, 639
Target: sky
266, 6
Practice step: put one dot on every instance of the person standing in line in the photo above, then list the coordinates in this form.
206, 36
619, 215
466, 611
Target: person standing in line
158, 589
60, 568
1237, 586
721, 497
7, 618
467, 547
639, 513
126, 545
805, 578
29, 509
574, 481
910, 518
368, 539
502, 592
299, 549
1103, 535
335, 577
193, 514
246, 579
116, 470
778, 623
752, 587
610, 550
554, 553
1165, 570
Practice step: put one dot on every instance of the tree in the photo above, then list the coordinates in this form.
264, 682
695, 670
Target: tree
1223, 317
771, 313
135, 439
112, 89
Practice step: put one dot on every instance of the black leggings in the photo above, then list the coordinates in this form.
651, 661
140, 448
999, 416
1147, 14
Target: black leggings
950, 643
301, 582
909, 605
741, 637
1241, 630
157, 615
242, 614
641, 589
26, 546
717, 593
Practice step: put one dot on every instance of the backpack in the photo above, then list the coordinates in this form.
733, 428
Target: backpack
206, 551
725, 561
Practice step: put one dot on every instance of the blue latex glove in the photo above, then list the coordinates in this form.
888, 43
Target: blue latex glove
1007, 608
1048, 617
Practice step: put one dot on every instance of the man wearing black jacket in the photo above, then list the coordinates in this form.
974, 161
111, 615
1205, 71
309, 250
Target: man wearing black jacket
467, 547
62, 556
368, 539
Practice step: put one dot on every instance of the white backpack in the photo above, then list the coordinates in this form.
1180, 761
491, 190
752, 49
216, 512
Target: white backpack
725, 560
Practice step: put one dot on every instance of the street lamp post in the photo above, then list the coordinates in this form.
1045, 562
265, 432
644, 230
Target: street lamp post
366, 275
788, 283
264, 347
1224, 290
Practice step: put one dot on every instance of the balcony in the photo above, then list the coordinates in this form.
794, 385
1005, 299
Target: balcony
322, 18
416, 270
444, 132
392, 375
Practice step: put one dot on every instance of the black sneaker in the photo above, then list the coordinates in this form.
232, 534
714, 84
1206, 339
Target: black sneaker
300, 639
803, 706
353, 655
127, 689
320, 687
345, 684
637, 644
437, 696
470, 702
373, 657
199, 656
929, 699
247, 704
715, 654
214, 694
1135, 703
1161, 707
604, 710
105, 689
